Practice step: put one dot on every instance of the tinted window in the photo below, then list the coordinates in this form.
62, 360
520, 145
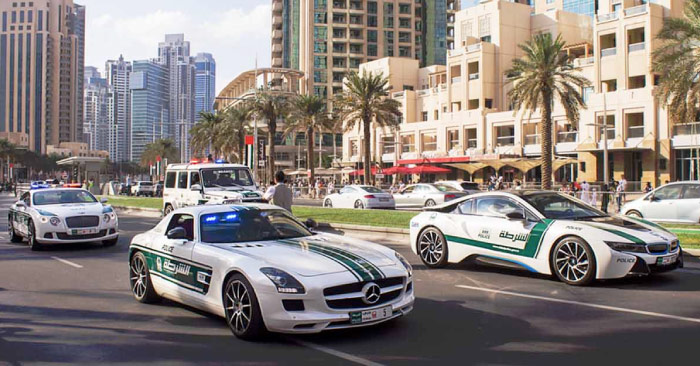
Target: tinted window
409, 189
371, 189
250, 225
347, 190
560, 206
194, 178
182, 180
466, 207
227, 177
444, 188
63, 196
691, 191
668, 192
170, 180
471, 186
25, 198
495, 206
184, 221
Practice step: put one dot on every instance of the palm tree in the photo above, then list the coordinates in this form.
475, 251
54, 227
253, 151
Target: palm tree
544, 74
364, 100
203, 133
165, 148
231, 138
677, 63
308, 114
270, 107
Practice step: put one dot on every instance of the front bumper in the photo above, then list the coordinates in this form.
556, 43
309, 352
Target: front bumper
317, 316
380, 204
49, 234
644, 267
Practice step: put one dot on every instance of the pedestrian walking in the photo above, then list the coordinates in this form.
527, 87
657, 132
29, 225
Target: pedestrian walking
648, 188
279, 194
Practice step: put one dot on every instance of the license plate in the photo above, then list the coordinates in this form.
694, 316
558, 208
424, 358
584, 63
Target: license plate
665, 261
383, 200
358, 317
83, 231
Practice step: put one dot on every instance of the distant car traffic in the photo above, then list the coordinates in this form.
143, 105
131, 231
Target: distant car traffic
426, 195
543, 232
61, 215
143, 188
359, 196
463, 186
263, 270
673, 202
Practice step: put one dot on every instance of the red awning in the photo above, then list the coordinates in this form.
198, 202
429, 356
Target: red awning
395, 170
427, 169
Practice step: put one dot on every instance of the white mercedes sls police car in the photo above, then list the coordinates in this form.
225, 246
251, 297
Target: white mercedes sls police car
263, 270
543, 232
61, 215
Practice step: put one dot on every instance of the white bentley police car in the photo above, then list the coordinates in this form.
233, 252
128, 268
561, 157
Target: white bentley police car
543, 232
61, 215
263, 270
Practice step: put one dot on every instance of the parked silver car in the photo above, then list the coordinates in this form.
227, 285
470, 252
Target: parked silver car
462, 185
673, 202
358, 196
426, 195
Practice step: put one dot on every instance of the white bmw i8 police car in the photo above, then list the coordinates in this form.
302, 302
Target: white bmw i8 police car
263, 270
61, 215
543, 232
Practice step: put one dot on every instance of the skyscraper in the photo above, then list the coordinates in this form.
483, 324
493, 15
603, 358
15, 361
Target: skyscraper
149, 83
585, 7
41, 72
117, 73
97, 107
205, 83
326, 39
174, 54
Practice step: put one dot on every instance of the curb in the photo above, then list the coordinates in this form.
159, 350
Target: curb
142, 211
693, 252
368, 229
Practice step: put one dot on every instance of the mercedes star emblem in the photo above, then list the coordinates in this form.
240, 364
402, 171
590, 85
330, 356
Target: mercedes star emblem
372, 293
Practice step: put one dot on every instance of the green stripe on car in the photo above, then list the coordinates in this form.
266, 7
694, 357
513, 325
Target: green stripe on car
532, 244
619, 233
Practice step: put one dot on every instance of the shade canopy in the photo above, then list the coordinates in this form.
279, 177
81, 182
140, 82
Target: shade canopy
426, 169
396, 170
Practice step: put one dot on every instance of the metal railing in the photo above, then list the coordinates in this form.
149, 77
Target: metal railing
635, 132
608, 52
474, 76
607, 17
636, 10
636, 47
533, 139
584, 61
505, 140
457, 79
692, 128
567, 136
471, 143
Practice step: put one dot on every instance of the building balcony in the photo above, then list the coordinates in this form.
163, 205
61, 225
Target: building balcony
533, 139
398, 95
277, 7
636, 47
456, 80
276, 48
474, 76
608, 52
276, 34
640, 9
607, 17
686, 135
579, 62
567, 136
276, 20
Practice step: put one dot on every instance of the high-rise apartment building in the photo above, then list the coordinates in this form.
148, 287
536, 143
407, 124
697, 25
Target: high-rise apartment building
327, 38
41, 72
174, 54
117, 73
98, 96
149, 83
205, 83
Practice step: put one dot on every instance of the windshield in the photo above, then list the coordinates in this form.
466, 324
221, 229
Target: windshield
474, 186
226, 177
250, 225
559, 206
443, 187
370, 189
63, 196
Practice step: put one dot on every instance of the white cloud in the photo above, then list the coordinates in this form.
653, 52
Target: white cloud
233, 37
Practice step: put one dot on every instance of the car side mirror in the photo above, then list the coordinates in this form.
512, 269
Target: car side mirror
515, 215
196, 187
103, 200
177, 233
310, 223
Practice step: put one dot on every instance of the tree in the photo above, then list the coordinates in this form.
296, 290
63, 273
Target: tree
677, 63
270, 106
308, 114
543, 75
165, 148
364, 100
204, 132
231, 139
8, 151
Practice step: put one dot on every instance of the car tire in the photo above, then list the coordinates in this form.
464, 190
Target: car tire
430, 203
634, 213
242, 309
31, 237
110, 242
14, 238
568, 256
359, 205
432, 248
140, 280
328, 203
167, 210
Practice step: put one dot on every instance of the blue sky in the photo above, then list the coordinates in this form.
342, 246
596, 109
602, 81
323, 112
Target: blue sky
234, 31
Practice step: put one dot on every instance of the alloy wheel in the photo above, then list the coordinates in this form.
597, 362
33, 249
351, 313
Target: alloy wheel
571, 261
358, 204
238, 307
138, 276
328, 203
431, 247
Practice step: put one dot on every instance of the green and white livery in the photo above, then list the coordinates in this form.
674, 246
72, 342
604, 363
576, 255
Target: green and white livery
543, 232
263, 270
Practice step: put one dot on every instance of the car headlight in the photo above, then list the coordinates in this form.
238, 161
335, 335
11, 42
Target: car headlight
627, 247
405, 263
284, 282
106, 218
45, 213
55, 221
107, 209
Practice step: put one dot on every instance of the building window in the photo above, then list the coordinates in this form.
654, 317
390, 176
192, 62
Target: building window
488, 103
610, 84
354, 148
452, 140
473, 104
470, 136
635, 125
408, 143
320, 62
372, 21
339, 33
608, 44
404, 8
388, 145
424, 116
610, 118
320, 17
371, 7
428, 141
320, 47
371, 50
636, 82
505, 135
372, 36
320, 76
473, 70
320, 33
436, 115
405, 23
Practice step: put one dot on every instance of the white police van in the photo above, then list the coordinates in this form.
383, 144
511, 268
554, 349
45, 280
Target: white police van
208, 183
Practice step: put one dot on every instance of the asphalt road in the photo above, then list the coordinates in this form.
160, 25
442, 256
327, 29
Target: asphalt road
72, 304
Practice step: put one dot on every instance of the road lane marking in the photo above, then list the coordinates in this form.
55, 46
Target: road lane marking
571, 302
339, 354
64, 261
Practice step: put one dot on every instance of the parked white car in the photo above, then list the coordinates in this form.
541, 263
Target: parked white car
142, 188
359, 196
462, 186
426, 195
673, 202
